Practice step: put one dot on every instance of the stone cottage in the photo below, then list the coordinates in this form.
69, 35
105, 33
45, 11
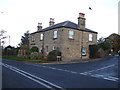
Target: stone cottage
71, 39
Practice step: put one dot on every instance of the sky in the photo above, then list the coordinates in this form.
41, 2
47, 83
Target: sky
18, 16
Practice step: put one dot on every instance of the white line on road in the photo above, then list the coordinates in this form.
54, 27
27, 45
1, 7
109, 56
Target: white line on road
85, 73
32, 77
100, 68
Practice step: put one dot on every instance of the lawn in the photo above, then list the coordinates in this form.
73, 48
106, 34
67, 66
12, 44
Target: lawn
23, 59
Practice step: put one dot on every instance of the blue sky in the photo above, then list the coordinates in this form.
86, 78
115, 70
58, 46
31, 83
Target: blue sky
21, 15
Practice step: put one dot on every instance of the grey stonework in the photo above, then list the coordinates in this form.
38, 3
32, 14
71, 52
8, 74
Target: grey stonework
70, 48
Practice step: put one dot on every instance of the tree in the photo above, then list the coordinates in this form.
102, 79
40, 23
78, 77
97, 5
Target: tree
9, 50
2, 37
24, 44
102, 39
25, 39
34, 49
114, 40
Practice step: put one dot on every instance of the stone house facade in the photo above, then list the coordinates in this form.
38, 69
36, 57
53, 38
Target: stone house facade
71, 39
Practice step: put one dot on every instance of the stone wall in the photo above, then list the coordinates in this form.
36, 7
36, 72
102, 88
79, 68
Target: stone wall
70, 48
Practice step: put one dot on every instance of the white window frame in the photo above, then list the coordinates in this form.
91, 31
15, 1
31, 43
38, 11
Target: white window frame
54, 47
55, 34
41, 36
71, 34
83, 51
90, 37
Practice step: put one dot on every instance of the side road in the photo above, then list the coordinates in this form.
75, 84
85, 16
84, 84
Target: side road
78, 61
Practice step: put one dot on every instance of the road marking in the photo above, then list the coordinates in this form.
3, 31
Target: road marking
85, 73
100, 68
33, 77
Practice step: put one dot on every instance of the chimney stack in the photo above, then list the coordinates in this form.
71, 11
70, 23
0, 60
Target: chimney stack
51, 22
39, 27
81, 21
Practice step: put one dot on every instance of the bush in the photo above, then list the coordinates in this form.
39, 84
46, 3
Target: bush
36, 55
34, 49
93, 50
52, 56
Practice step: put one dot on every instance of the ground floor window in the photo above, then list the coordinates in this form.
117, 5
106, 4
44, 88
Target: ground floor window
83, 51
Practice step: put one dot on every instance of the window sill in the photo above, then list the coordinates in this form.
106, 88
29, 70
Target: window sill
55, 38
70, 39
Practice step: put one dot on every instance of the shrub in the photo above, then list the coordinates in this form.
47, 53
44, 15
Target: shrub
34, 49
93, 50
36, 55
52, 56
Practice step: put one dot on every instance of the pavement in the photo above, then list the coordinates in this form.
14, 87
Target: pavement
78, 61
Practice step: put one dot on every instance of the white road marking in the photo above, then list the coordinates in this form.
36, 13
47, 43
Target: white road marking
85, 73
100, 68
32, 77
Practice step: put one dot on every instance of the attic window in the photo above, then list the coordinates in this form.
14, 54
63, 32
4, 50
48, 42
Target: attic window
71, 34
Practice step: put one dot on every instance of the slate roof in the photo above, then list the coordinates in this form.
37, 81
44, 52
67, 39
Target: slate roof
67, 24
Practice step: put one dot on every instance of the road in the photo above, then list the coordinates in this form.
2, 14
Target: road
96, 74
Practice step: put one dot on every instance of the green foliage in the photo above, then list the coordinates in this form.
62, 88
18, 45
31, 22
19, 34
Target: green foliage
25, 39
9, 50
105, 45
52, 56
36, 55
23, 59
34, 49
114, 40
93, 50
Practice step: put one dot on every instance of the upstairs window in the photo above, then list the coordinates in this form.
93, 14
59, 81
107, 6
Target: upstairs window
55, 34
71, 34
32, 38
41, 36
90, 37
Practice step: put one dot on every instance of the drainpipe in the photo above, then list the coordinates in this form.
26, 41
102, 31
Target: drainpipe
43, 44
82, 45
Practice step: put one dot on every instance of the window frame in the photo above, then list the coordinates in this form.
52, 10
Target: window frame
41, 36
55, 34
32, 38
71, 35
83, 51
90, 37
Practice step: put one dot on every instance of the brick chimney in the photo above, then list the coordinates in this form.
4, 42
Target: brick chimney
81, 21
51, 22
39, 27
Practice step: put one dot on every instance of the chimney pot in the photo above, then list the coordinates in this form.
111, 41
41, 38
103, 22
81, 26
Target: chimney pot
81, 15
51, 22
39, 27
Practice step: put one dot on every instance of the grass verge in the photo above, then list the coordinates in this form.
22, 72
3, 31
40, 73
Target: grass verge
23, 59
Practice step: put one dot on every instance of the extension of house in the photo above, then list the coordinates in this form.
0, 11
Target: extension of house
71, 39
